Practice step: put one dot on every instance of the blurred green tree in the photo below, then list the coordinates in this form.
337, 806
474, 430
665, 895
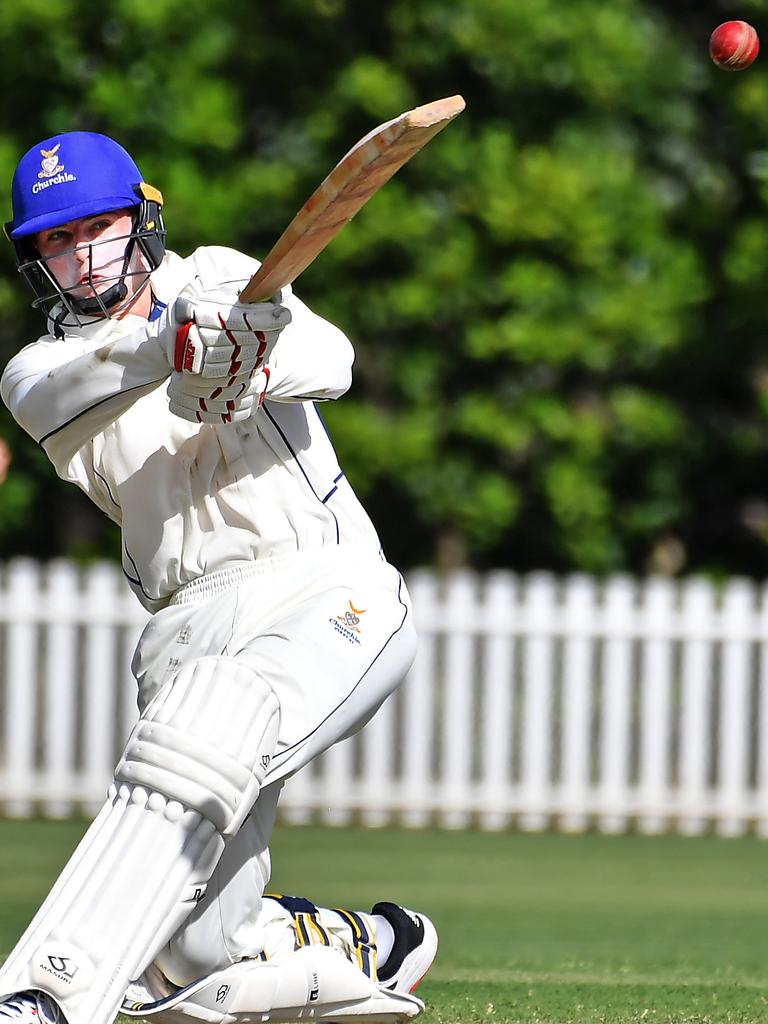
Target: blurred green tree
557, 307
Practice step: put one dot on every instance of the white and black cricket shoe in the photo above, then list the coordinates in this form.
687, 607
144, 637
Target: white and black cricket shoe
30, 1008
414, 949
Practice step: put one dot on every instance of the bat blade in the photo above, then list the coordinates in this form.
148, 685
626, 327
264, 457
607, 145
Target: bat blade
356, 177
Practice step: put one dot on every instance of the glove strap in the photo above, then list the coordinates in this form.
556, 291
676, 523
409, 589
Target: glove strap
184, 350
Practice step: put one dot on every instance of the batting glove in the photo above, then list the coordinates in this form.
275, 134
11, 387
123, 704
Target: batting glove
221, 337
218, 354
201, 400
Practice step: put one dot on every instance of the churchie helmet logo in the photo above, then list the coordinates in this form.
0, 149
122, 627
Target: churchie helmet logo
351, 617
50, 162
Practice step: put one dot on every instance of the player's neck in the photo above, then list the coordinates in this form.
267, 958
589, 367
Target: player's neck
141, 305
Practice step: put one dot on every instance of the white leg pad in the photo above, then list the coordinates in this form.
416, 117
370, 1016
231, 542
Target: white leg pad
190, 773
313, 983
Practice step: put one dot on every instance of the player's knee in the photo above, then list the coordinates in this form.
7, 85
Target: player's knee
206, 740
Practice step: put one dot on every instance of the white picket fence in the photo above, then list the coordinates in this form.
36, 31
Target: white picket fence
534, 702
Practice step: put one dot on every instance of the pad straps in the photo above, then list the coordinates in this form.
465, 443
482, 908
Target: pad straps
364, 940
310, 930
306, 919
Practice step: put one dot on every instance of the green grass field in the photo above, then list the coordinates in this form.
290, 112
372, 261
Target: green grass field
533, 928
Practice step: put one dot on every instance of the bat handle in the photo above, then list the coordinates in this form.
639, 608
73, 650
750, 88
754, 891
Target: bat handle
254, 291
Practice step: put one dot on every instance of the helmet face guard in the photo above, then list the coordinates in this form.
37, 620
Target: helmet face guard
77, 175
107, 296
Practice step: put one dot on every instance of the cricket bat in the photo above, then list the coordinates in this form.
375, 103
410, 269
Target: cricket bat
356, 177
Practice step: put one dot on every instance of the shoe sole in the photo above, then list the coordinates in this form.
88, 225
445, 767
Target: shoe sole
417, 963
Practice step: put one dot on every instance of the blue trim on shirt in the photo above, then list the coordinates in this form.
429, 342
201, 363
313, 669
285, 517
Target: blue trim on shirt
287, 443
334, 488
101, 401
106, 484
137, 582
157, 309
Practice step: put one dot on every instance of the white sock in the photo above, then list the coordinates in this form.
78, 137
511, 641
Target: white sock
385, 938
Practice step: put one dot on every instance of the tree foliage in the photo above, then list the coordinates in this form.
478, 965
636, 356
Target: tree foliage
558, 306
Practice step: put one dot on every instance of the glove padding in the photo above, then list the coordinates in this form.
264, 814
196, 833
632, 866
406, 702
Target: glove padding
200, 400
219, 353
221, 337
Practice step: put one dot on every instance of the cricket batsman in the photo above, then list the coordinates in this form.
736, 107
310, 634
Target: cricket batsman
278, 626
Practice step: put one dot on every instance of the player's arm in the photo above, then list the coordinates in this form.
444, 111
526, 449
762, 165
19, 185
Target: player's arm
63, 396
312, 359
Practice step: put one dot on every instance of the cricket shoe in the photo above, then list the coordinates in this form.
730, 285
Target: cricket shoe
414, 949
31, 1008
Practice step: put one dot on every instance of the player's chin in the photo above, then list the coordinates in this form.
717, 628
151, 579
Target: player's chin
85, 289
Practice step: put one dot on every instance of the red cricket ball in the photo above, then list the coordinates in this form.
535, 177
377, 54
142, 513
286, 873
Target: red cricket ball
734, 45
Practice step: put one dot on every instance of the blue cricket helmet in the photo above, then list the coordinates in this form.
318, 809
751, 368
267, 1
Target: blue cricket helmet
72, 175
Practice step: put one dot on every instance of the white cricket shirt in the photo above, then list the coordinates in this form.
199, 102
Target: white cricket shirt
192, 499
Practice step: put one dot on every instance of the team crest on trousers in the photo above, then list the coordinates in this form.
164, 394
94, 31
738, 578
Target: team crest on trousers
348, 623
50, 162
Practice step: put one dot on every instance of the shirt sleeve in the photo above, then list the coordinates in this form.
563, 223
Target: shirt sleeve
312, 359
63, 394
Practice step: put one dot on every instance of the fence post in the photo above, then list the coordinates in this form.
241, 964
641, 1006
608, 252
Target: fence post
761, 759
22, 593
655, 705
536, 739
100, 609
697, 611
497, 683
615, 721
336, 778
458, 700
733, 733
419, 705
578, 615
378, 766
60, 688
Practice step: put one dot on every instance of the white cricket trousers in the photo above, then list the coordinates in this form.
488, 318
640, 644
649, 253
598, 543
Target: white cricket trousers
332, 634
